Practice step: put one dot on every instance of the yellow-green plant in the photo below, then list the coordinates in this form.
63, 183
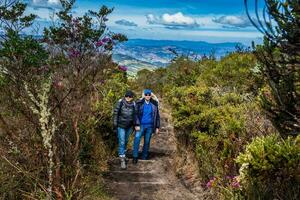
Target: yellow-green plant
270, 168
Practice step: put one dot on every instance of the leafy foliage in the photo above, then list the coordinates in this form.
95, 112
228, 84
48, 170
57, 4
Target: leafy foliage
266, 158
56, 102
12, 16
279, 58
215, 111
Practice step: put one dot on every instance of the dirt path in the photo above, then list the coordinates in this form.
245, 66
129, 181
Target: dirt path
152, 179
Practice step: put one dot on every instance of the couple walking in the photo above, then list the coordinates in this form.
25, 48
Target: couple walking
142, 116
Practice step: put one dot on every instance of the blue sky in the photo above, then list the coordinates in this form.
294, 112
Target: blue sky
200, 20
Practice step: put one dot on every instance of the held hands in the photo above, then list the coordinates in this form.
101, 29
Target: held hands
138, 128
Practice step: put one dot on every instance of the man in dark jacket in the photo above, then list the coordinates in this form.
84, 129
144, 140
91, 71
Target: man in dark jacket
124, 119
147, 121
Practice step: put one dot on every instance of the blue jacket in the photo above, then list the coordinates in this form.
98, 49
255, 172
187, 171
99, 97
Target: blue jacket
155, 113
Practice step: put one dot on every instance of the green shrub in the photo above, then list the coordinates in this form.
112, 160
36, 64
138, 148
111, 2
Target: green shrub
213, 122
234, 72
270, 168
214, 110
50, 127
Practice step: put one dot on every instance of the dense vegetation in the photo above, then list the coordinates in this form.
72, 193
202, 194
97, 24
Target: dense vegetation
279, 62
237, 114
217, 114
56, 97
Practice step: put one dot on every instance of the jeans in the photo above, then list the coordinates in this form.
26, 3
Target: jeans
123, 135
147, 133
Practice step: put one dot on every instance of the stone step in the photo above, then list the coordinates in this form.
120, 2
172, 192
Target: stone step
132, 172
156, 151
145, 184
117, 161
126, 177
141, 166
135, 190
160, 151
146, 165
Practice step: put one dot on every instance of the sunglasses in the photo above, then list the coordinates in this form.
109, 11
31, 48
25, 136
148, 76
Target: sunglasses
129, 96
147, 94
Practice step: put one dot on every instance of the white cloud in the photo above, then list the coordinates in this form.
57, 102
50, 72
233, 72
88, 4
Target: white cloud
125, 22
177, 18
48, 4
53, 2
235, 21
172, 20
152, 19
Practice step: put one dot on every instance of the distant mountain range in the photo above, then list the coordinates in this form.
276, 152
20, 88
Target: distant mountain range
139, 54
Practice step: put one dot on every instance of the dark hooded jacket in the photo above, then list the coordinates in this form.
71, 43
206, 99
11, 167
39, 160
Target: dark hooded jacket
124, 114
140, 110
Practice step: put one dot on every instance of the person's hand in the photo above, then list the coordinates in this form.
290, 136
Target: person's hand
137, 128
157, 131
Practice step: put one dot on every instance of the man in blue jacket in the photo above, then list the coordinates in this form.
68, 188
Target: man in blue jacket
147, 122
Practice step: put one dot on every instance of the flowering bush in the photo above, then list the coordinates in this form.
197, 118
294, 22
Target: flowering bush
215, 113
123, 68
51, 131
270, 168
212, 182
228, 187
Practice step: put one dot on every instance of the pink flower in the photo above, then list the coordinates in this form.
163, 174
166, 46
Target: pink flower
73, 53
123, 68
102, 82
209, 184
106, 39
99, 44
235, 183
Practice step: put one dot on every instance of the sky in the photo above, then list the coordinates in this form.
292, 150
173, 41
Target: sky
212, 21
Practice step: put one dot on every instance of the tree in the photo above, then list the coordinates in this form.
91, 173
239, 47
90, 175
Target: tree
46, 91
279, 58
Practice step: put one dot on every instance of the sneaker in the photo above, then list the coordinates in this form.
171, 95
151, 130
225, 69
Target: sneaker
134, 161
123, 163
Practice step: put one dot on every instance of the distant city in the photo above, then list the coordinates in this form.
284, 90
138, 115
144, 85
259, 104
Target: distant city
139, 54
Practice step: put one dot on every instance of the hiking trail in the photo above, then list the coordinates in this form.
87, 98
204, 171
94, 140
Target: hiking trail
152, 179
